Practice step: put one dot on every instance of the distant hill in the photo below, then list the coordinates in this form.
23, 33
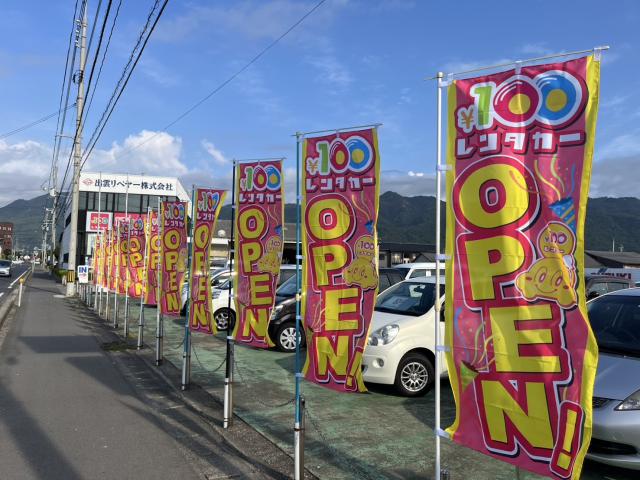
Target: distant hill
402, 219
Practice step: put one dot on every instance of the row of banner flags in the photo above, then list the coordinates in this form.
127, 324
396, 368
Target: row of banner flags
520, 352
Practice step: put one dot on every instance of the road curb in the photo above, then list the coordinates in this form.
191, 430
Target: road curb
6, 307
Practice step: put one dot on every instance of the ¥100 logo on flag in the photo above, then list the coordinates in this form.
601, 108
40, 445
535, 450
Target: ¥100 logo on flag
522, 356
259, 243
340, 274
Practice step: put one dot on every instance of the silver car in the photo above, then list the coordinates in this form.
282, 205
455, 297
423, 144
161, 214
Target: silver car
615, 319
5, 268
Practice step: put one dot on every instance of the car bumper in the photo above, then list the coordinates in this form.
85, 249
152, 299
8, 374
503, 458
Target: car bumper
616, 437
379, 364
5, 273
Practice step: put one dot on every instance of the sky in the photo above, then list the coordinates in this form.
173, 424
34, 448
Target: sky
351, 62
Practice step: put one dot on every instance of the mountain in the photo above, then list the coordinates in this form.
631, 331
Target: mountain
402, 219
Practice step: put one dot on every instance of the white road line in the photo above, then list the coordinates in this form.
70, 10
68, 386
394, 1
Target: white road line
23, 274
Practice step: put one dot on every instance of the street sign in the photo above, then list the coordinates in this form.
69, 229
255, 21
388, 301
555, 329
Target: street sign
83, 273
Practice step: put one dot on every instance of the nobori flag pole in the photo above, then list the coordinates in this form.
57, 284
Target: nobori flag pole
228, 378
147, 240
126, 263
109, 263
439, 259
117, 247
95, 274
159, 319
298, 427
186, 353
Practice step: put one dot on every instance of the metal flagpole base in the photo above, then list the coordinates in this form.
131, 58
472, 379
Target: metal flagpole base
141, 327
298, 444
186, 365
106, 306
227, 420
115, 310
159, 340
126, 317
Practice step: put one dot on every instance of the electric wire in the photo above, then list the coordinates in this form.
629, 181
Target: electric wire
116, 97
34, 123
224, 83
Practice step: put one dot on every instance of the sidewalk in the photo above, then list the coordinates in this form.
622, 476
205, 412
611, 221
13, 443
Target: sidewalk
70, 410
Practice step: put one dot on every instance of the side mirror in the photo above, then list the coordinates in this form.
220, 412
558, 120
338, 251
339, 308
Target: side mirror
592, 294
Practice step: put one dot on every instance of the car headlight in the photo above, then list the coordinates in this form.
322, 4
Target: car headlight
384, 335
632, 402
276, 310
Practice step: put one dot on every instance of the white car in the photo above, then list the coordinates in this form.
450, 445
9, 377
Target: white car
220, 298
218, 276
401, 347
418, 269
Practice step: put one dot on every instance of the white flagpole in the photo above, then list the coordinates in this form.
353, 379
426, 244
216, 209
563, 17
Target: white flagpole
95, 274
438, 304
126, 265
159, 319
144, 278
117, 275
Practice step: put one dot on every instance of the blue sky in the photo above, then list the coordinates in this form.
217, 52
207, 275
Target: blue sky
352, 62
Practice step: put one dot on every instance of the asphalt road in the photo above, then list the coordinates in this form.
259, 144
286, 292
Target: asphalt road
7, 284
65, 411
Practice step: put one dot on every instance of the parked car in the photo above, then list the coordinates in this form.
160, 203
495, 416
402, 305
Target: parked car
596, 285
419, 269
401, 346
5, 268
282, 326
220, 298
217, 278
615, 320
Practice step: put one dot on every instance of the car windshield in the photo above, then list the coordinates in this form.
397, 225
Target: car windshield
223, 286
407, 298
5, 263
615, 320
288, 288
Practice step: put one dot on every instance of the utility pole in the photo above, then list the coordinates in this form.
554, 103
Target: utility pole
77, 155
53, 192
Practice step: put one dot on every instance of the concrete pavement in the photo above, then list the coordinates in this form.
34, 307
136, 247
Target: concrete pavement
70, 410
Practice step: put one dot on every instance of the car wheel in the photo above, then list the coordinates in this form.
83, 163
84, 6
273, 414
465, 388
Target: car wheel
286, 338
183, 312
414, 376
224, 317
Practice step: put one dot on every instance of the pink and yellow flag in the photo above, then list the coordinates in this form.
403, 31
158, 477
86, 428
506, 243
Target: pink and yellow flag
207, 206
522, 357
174, 255
153, 254
97, 247
136, 251
123, 256
258, 242
340, 187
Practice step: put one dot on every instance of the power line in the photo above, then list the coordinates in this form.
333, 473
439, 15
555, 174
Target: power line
120, 87
34, 123
226, 82
134, 58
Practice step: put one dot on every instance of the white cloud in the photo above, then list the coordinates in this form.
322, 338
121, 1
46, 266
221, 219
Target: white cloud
23, 168
332, 71
616, 177
216, 155
143, 152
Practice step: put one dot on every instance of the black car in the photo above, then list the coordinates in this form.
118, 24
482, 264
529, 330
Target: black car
282, 327
596, 285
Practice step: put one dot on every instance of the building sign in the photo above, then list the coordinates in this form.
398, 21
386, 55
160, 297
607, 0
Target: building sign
258, 242
83, 273
132, 184
98, 221
340, 248
522, 358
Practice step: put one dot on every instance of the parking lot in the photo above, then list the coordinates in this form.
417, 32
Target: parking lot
375, 436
